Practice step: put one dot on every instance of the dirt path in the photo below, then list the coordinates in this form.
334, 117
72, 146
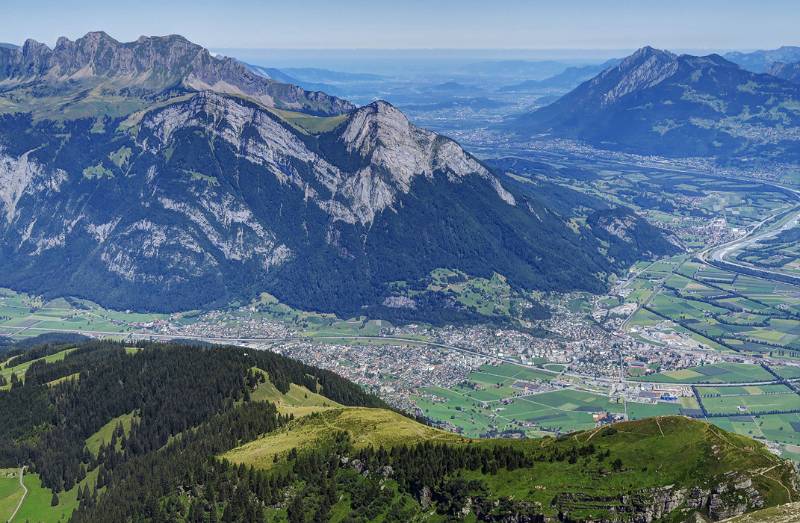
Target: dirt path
24, 495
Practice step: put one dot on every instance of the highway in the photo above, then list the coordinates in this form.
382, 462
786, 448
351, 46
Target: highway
760, 231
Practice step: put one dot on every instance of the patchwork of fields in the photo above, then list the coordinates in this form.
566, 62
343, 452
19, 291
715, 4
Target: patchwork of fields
509, 399
720, 309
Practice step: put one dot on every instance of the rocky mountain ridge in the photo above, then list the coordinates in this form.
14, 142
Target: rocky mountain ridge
151, 65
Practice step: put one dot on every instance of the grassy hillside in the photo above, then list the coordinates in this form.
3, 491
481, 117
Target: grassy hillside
302, 444
593, 474
8, 368
789, 513
105, 434
10, 492
366, 428
297, 401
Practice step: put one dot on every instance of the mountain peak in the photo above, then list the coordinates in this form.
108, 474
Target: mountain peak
644, 68
152, 65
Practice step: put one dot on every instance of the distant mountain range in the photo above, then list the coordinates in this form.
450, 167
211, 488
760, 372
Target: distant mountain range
761, 61
569, 78
152, 175
656, 102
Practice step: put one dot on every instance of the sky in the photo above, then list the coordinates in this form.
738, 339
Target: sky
418, 24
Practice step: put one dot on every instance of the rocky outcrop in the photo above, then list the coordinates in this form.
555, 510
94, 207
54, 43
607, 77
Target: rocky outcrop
154, 64
733, 494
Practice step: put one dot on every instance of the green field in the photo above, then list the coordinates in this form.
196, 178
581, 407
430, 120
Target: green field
298, 401
10, 492
37, 505
719, 309
24, 316
104, 435
749, 400
366, 427
8, 368
714, 373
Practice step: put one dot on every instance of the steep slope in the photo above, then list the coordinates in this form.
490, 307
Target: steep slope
101, 75
185, 433
655, 102
213, 197
790, 71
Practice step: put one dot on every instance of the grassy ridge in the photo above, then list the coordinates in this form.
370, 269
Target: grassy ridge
366, 427
628, 459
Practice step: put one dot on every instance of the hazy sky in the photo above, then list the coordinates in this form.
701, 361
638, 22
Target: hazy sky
453, 24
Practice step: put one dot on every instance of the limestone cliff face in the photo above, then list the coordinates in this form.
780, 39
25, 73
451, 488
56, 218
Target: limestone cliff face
731, 495
384, 153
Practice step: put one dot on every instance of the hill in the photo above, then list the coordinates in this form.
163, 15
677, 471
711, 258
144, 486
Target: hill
364, 427
655, 102
212, 194
564, 476
140, 434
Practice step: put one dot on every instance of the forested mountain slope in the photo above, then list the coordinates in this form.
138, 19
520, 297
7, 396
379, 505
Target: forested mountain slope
189, 434
134, 172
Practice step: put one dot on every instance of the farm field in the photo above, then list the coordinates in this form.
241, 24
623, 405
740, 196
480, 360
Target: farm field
508, 399
748, 400
23, 316
719, 309
714, 373
780, 428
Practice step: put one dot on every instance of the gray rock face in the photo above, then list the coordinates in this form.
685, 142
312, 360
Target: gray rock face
645, 68
391, 153
154, 64
732, 496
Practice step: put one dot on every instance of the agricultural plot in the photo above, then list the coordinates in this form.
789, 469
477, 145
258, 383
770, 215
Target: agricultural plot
719, 309
24, 316
492, 401
780, 428
716, 373
749, 400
